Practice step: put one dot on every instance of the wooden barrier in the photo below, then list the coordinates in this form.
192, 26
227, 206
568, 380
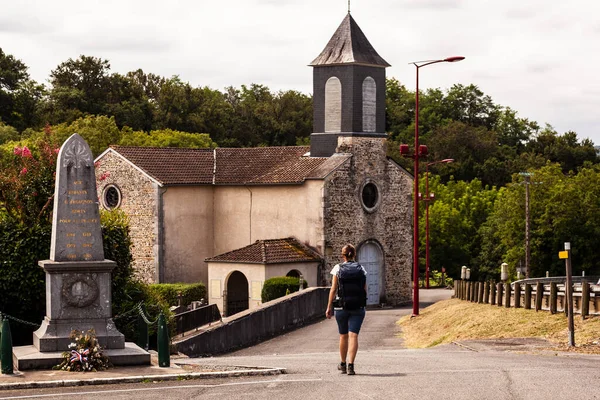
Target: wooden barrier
539, 296
486, 292
545, 298
553, 297
585, 299
517, 295
481, 289
527, 296
500, 293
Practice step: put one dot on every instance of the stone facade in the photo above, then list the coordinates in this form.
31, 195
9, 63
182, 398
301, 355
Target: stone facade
139, 202
388, 224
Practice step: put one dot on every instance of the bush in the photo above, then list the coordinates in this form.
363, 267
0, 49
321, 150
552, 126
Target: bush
168, 292
277, 287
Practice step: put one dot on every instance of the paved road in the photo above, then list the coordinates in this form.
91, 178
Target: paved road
384, 371
379, 332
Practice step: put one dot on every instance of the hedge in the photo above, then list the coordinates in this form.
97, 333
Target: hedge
277, 287
169, 292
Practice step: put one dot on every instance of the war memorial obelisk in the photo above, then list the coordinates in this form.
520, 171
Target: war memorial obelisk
78, 278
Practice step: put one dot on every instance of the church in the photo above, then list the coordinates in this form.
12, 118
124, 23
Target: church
234, 217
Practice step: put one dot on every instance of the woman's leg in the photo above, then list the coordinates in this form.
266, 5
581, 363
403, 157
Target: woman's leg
352, 346
354, 324
344, 347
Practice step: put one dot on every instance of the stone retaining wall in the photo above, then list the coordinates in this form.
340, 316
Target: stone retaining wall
252, 326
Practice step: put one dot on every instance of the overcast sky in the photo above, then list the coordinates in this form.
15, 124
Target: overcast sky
539, 57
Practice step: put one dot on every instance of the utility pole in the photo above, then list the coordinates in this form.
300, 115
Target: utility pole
527, 182
527, 227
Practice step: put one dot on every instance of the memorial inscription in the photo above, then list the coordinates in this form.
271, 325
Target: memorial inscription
76, 232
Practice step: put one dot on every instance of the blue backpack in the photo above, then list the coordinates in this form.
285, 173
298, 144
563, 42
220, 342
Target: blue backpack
351, 287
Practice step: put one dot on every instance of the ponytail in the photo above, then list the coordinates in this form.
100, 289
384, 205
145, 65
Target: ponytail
349, 251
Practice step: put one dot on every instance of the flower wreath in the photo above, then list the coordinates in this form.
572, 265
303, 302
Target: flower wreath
84, 353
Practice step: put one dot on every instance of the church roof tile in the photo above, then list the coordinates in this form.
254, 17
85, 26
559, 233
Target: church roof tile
230, 166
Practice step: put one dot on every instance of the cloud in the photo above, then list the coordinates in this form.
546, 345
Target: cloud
521, 13
25, 25
433, 4
539, 68
125, 45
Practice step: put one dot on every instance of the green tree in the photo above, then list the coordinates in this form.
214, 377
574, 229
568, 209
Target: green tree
563, 208
459, 210
564, 149
166, 138
79, 87
8, 133
19, 96
99, 132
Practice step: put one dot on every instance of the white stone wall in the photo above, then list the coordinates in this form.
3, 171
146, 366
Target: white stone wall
389, 224
138, 201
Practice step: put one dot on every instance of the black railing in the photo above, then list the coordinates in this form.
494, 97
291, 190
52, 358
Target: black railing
236, 306
189, 320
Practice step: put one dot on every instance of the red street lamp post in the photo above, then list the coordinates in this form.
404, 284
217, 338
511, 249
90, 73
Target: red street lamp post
427, 199
418, 149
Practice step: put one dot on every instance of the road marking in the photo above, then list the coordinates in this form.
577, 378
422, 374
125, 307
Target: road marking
78, 394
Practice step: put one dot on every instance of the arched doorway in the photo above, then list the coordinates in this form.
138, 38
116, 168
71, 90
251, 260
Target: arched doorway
294, 273
237, 293
370, 256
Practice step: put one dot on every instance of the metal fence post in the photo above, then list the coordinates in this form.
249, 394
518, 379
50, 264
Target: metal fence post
6, 350
143, 340
163, 344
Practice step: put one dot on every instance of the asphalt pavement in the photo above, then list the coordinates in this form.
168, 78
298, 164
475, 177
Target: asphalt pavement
302, 364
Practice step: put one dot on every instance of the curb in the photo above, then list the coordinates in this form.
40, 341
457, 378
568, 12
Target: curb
140, 378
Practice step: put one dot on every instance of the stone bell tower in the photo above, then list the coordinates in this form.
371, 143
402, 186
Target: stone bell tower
348, 90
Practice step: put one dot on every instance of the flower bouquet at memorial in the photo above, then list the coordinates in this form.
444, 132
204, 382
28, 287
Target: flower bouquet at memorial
84, 354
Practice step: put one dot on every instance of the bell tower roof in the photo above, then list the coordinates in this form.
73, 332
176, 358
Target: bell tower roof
349, 45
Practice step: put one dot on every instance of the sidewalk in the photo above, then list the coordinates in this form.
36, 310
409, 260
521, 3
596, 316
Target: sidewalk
180, 369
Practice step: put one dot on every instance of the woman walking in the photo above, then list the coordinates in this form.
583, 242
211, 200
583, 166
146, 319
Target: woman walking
348, 288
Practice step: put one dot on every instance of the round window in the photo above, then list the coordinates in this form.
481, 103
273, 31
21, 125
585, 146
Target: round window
112, 197
370, 196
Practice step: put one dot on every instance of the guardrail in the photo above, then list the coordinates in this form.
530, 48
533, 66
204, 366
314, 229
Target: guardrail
538, 293
190, 320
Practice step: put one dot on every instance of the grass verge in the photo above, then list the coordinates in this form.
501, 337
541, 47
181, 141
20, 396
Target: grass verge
452, 320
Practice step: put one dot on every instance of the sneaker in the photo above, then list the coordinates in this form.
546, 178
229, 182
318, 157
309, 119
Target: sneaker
351, 369
342, 367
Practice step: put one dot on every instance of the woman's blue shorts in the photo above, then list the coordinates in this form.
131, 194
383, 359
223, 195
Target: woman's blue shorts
349, 320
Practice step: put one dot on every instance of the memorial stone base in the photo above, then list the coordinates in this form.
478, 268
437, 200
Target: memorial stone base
78, 298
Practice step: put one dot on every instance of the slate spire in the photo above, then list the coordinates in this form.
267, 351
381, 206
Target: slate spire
349, 45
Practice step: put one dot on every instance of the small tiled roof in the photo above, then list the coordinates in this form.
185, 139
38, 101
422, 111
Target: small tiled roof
230, 166
170, 165
270, 251
349, 45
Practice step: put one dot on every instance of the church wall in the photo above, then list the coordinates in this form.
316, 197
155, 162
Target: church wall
138, 201
188, 228
389, 224
245, 214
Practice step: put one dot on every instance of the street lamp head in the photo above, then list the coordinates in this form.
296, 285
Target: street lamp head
454, 59
448, 160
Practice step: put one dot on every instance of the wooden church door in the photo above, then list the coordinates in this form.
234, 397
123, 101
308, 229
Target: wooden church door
370, 257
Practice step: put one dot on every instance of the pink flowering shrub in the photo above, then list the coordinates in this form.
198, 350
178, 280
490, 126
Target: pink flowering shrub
27, 181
